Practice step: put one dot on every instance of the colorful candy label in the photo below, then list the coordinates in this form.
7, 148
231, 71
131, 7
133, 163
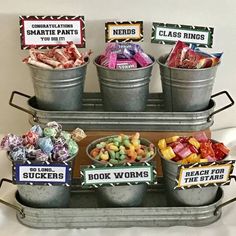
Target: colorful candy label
129, 174
126, 31
171, 33
200, 175
42, 173
51, 31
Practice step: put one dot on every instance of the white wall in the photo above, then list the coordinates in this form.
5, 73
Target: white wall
14, 75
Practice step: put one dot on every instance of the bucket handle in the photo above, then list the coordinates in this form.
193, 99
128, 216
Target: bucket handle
216, 212
223, 108
19, 209
21, 108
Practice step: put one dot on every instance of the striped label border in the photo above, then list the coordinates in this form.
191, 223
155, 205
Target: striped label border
53, 40
165, 33
109, 169
124, 31
210, 169
43, 168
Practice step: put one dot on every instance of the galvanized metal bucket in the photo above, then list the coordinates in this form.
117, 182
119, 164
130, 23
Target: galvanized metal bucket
45, 196
124, 90
187, 197
59, 89
186, 89
123, 195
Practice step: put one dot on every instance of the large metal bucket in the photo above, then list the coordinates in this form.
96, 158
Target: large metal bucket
59, 89
187, 197
124, 90
45, 196
186, 89
123, 195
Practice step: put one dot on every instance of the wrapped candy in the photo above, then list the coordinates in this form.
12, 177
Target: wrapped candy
41, 156
37, 129
124, 56
30, 138
50, 144
18, 154
78, 134
50, 132
126, 64
64, 58
46, 145
55, 125
72, 147
143, 59
66, 135
197, 148
60, 153
183, 56
10, 141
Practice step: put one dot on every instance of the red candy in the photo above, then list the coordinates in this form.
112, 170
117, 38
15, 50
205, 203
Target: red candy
30, 138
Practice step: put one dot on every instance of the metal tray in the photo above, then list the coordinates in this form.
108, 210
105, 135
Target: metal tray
93, 117
86, 212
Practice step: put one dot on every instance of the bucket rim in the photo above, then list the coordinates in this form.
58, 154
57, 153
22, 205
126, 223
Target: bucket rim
94, 142
182, 69
124, 70
60, 70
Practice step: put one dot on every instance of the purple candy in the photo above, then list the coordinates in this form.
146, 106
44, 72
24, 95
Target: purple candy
46, 145
41, 156
18, 154
60, 153
10, 141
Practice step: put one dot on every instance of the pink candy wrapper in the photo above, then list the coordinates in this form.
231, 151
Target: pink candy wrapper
126, 64
143, 59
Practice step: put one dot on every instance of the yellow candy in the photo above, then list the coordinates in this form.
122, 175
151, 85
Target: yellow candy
172, 139
168, 153
161, 143
184, 161
203, 160
193, 158
132, 148
113, 147
104, 156
194, 142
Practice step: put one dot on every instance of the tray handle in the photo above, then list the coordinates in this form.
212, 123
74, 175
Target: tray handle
19, 209
223, 108
21, 108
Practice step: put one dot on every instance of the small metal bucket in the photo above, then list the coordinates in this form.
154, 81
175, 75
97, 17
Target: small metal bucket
187, 197
124, 90
186, 89
59, 89
45, 196
123, 195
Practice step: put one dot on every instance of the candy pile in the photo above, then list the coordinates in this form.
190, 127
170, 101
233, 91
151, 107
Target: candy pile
122, 149
48, 144
183, 56
186, 150
63, 58
124, 56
